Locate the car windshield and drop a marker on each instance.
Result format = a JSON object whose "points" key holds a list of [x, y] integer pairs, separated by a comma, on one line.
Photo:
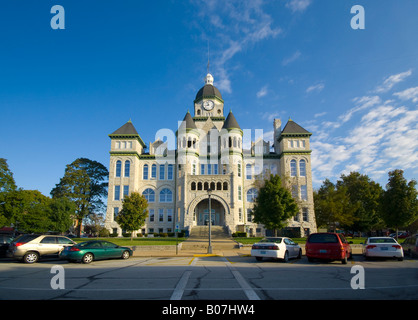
{"points": [[275, 240], [382, 240], [323, 238]]}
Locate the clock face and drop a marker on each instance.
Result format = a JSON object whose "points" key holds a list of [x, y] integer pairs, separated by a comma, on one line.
{"points": [[208, 105]]}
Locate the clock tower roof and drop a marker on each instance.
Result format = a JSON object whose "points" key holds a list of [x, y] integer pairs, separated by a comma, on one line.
{"points": [[208, 90]]}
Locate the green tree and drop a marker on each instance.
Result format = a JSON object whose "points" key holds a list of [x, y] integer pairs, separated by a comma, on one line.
{"points": [[84, 183], [274, 205], [29, 210], [62, 211], [7, 182], [364, 197], [399, 204], [134, 212], [333, 207]]}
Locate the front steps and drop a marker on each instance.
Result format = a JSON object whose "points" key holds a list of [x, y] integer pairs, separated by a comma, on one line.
{"points": [[199, 239]]}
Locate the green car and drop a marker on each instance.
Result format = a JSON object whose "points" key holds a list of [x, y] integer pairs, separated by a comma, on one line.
{"points": [[88, 251]]}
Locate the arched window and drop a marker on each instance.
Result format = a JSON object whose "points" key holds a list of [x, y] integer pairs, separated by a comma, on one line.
{"points": [[199, 186], [193, 186], [145, 173], [219, 186], [206, 186], [302, 168], [149, 194], [212, 185], [118, 168], [127, 168], [225, 185], [252, 194], [293, 168], [166, 195], [154, 171]]}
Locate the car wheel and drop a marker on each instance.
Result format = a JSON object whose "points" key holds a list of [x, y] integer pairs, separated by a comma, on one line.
{"points": [[400, 259], [87, 258], [299, 254], [286, 257], [31, 257], [258, 258], [126, 254], [344, 260]]}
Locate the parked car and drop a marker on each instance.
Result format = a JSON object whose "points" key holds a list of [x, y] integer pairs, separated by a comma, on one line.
{"points": [[5, 240], [410, 246], [30, 247], [88, 251], [276, 247], [328, 246], [382, 247]]}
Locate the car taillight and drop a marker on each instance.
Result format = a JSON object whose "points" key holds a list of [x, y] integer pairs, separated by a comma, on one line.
{"points": [[396, 246], [18, 244], [254, 247], [74, 249], [370, 246], [273, 248]]}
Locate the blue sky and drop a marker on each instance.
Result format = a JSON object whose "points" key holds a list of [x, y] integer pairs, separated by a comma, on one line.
{"points": [[63, 91]]}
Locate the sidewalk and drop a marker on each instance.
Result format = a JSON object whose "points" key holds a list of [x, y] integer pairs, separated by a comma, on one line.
{"points": [[199, 248]]}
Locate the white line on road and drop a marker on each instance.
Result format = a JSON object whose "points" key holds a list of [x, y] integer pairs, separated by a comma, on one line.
{"points": [[181, 285], [248, 290]]}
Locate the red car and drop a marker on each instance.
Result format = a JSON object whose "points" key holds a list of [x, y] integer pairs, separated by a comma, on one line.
{"points": [[328, 246]]}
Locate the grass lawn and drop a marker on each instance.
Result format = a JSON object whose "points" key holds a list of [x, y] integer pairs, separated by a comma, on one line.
{"points": [[136, 241]]}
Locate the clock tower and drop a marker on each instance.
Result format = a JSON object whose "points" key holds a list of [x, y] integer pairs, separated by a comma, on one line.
{"points": [[208, 101]]}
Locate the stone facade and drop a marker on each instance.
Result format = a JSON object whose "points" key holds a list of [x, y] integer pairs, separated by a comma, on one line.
{"points": [[208, 152]]}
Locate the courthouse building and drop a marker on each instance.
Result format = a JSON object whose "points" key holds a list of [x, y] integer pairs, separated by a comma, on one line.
{"points": [[207, 155]]}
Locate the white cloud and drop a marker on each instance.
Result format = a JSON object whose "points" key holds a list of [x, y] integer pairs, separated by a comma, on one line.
{"points": [[378, 136], [292, 58], [392, 80], [262, 92], [317, 87], [246, 24], [298, 5], [408, 94]]}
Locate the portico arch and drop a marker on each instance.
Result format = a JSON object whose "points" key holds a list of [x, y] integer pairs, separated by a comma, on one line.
{"points": [[199, 207]]}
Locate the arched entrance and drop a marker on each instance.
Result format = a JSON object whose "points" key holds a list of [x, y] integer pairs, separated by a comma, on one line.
{"points": [[201, 212], [199, 207]]}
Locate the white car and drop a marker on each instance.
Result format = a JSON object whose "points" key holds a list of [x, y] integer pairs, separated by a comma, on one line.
{"points": [[277, 248], [382, 247]]}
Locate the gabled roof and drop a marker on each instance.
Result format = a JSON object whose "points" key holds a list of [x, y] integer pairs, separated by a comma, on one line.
{"points": [[292, 127], [127, 131], [231, 122]]}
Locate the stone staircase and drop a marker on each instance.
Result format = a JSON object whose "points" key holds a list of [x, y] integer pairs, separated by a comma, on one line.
{"points": [[199, 239]]}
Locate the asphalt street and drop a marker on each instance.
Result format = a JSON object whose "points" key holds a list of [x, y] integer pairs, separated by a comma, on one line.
{"points": [[206, 277]]}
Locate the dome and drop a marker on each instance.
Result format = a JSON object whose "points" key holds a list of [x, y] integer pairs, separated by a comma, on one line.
{"points": [[208, 90]]}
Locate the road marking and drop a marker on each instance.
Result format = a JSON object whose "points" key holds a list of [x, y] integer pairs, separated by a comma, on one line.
{"points": [[248, 290], [181, 285]]}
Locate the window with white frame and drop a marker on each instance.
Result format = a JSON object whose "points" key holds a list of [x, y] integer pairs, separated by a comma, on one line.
{"points": [[293, 169], [149, 194], [166, 195], [304, 192]]}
